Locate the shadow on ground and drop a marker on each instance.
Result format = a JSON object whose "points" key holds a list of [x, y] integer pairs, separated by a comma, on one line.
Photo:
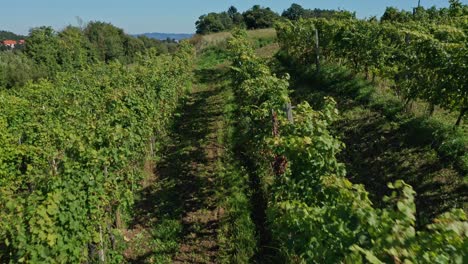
{"points": [[176, 217], [379, 150]]}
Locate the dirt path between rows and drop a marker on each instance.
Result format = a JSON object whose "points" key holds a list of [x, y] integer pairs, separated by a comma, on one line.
{"points": [[178, 216]]}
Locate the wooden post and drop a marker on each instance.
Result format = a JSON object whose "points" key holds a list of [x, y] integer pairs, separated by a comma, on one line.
{"points": [[280, 163], [408, 104], [415, 9], [152, 146], [112, 237], [274, 120], [102, 256], [430, 109], [460, 116], [54, 167], [101, 252], [288, 109], [317, 51]]}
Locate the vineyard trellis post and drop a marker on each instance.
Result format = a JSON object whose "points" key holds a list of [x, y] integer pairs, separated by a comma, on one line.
{"points": [[288, 109], [415, 10], [280, 162], [460, 116], [101, 253], [408, 103], [317, 51], [152, 146]]}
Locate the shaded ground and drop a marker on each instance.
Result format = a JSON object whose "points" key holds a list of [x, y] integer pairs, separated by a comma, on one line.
{"points": [[379, 151], [178, 216]]}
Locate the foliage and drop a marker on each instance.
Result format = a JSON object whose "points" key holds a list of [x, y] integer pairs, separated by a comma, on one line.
{"points": [[394, 15], [162, 46], [455, 9], [255, 18], [107, 40], [218, 22], [295, 12], [75, 50], [9, 35], [425, 62], [450, 144], [17, 70], [314, 213], [71, 152], [43, 48], [259, 17], [213, 22], [47, 52], [235, 16]]}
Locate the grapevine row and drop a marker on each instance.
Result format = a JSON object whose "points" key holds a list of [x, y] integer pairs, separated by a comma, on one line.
{"points": [[314, 214], [424, 61], [72, 152]]}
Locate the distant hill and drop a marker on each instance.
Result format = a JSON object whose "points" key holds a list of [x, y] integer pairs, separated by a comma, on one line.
{"points": [[164, 36], [9, 35]]}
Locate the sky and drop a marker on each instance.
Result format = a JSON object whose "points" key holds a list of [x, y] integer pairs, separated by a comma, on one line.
{"points": [[169, 16]]}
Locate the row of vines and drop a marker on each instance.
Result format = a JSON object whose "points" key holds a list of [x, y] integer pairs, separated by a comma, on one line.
{"points": [[72, 152], [314, 214], [425, 61]]}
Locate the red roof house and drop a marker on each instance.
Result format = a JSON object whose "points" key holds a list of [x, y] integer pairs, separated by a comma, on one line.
{"points": [[9, 43]]}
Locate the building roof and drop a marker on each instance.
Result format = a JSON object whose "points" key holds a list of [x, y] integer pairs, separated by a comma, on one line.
{"points": [[9, 42]]}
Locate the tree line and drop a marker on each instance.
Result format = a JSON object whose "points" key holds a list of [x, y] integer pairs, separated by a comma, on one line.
{"points": [[258, 17], [47, 51], [419, 13], [9, 35]]}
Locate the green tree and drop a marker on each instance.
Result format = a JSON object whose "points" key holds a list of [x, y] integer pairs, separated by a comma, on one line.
{"points": [[259, 17], [9, 35], [16, 70], [235, 16], [75, 49], [132, 46], [226, 20], [209, 23], [392, 14], [148, 43], [43, 47], [294, 12], [107, 39], [457, 8], [217, 22]]}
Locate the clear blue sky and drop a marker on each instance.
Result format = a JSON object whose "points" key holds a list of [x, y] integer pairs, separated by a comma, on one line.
{"points": [[175, 16]]}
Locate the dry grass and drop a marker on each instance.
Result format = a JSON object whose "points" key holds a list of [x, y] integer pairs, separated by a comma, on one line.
{"points": [[419, 108], [267, 33], [220, 39], [216, 38], [267, 51]]}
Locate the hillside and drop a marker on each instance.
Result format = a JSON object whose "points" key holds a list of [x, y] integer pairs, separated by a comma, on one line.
{"points": [[9, 35], [264, 39]]}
